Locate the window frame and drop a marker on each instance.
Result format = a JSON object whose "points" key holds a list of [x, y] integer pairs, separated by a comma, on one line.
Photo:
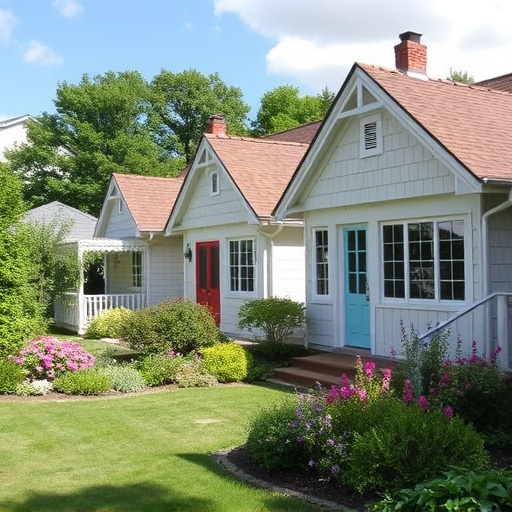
{"points": [[239, 278], [315, 262], [137, 270], [407, 299], [214, 183]]}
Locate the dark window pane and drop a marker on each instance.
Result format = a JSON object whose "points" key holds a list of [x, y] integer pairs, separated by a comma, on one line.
{"points": [[362, 261], [362, 284], [351, 241], [203, 262], [215, 267], [352, 262], [352, 283], [361, 240]]}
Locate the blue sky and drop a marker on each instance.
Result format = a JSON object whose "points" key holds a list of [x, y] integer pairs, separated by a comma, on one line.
{"points": [[253, 44]]}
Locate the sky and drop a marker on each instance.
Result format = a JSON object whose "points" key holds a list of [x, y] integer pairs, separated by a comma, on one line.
{"points": [[255, 45]]}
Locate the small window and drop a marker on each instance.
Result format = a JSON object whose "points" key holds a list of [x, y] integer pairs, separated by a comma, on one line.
{"points": [[241, 265], [137, 269], [371, 136], [214, 177], [321, 262], [121, 206]]}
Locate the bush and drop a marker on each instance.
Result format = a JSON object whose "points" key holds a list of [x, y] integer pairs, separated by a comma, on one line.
{"points": [[409, 445], [178, 325], [108, 324], [83, 382], [11, 376], [47, 358], [459, 489], [275, 317], [160, 369], [35, 387], [124, 378], [190, 375], [227, 362], [277, 351]]}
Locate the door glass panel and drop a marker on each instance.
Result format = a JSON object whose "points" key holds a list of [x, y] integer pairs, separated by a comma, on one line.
{"points": [[203, 266], [214, 267]]}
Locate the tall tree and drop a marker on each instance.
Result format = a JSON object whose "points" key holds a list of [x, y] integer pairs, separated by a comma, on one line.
{"points": [[180, 105], [282, 109], [98, 128], [460, 76]]}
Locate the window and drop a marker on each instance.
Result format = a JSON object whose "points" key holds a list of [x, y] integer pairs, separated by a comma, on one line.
{"points": [[370, 136], [321, 262], [214, 177], [120, 205], [424, 260], [241, 265], [137, 269]]}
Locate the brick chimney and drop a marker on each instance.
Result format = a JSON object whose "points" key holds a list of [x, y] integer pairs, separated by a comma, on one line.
{"points": [[411, 55], [217, 125]]}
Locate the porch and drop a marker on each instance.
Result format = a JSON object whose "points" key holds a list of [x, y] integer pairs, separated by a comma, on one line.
{"points": [[123, 282]]}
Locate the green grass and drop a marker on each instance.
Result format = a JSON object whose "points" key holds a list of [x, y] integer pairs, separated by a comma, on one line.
{"points": [[139, 453]]}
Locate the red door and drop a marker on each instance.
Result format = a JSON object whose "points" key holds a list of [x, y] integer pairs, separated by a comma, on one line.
{"points": [[207, 277]]}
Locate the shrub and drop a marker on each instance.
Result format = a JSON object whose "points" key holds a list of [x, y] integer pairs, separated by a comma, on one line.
{"points": [[48, 358], [227, 362], [160, 369], [277, 351], [124, 378], [190, 375], [409, 445], [464, 490], [35, 387], [83, 382], [178, 325], [11, 376], [275, 317], [108, 324]]}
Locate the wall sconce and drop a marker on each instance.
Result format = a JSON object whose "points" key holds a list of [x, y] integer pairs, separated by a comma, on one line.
{"points": [[188, 253]]}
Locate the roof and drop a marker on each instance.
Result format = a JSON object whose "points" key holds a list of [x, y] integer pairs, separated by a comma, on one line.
{"points": [[149, 199], [13, 120], [260, 168], [303, 134], [82, 226], [500, 83], [470, 121]]}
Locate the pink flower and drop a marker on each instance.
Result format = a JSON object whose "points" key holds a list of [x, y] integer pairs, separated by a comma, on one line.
{"points": [[448, 411], [446, 378], [369, 368], [386, 379], [422, 400], [408, 392]]}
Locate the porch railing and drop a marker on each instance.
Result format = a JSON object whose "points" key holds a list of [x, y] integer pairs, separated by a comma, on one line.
{"points": [[493, 315], [75, 315]]}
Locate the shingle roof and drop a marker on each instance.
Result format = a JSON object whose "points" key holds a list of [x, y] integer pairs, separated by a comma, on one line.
{"points": [[261, 168], [149, 199], [303, 134], [500, 83], [471, 122]]}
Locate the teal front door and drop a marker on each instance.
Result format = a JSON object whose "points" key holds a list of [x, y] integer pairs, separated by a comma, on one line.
{"points": [[357, 299]]}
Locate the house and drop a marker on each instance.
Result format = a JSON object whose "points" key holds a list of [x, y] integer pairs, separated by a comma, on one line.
{"points": [[405, 194], [12, 131], [235, 248], [140, 266]]}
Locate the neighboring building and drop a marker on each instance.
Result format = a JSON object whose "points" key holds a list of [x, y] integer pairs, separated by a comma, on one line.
{"points": [[12, 131], [236, 250], [406, 194]]}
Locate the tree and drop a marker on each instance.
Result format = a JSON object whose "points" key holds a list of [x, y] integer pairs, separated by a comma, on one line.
{"points": [[20, 314], [99, 128], [460, 76], [180, 105], [282, 109]]}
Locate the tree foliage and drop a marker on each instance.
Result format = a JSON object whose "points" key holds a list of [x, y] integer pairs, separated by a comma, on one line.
{"points": [[460, 76], [282, 109], [180, 105], [20, 314]]}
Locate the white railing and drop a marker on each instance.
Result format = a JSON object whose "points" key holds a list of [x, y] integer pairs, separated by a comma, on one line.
{"points": [[74, 316], [492, 316]]}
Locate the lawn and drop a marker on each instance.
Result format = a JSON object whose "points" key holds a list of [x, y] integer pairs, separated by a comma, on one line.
{"points": [[146, 452]]}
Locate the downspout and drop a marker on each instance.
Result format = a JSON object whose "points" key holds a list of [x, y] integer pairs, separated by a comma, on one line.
{"points": [[270, 237], [485, 252]]}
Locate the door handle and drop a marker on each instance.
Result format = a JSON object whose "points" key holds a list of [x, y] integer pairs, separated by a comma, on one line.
{"points": [[367, 291]]}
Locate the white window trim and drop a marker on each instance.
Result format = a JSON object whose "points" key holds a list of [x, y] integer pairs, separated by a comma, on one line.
{"points": [[120, 206], [241, 293], [378, 149], [314, 294], [468, 264], [213, 192]]}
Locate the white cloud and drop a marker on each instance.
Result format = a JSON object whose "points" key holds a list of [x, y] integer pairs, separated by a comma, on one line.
{"points": [[38, 53], [7, 22], [68, 8], [317, 42]]}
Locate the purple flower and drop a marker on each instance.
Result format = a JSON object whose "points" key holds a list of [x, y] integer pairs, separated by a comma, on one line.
{"points": [[311, 463], [301, 439], [335, 470], [422, 400], [408, 392], [448, 411]]}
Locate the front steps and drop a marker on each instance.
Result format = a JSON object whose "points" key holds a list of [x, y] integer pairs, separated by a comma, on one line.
{"points": [[325, 368]]}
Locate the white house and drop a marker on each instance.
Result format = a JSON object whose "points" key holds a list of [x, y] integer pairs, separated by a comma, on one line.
{"points": [[236, 249], [12, 131], [406, 194]]}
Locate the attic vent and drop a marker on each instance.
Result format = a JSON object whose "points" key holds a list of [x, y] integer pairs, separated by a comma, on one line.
{"points": [[214, 177], [371, 136]]}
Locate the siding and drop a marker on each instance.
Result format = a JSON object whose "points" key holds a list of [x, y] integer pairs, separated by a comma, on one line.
{"points": [[405, 169], [119, 225]]}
